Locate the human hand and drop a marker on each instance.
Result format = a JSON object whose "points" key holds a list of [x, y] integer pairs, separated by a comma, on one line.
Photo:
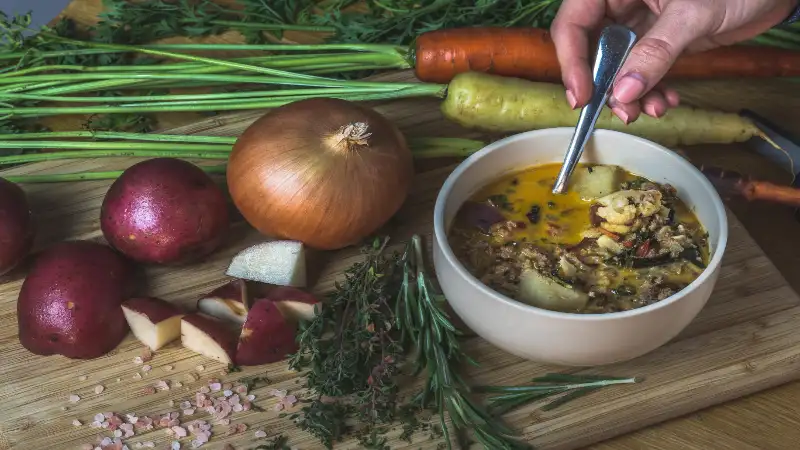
{"points": [[666, 28]]}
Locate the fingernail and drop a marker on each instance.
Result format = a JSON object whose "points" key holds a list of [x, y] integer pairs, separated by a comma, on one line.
{"points": [[652, 110], [630, 88], [573, 102], [623, 116]]}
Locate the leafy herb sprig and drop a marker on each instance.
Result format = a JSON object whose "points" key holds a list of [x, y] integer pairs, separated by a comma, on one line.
{"points": [[565, 387], [424, 322]]}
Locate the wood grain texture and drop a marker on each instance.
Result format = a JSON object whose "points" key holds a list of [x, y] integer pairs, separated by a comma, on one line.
{"points": [[742, 342]]}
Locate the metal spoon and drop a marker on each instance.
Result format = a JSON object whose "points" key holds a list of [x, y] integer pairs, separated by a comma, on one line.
{"points": [[615, 44]]}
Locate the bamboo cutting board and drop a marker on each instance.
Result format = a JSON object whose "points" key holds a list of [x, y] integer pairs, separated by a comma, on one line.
{"points": [[745, 339]]}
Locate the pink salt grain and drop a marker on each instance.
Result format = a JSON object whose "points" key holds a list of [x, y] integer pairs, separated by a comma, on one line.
{"points": [[260, 434], [215, 387], [180, 432], [205, 390], [99, 389], [147, 368], [138, 360], [188, 411], [74, 398], [76, 422], [149, 390]]}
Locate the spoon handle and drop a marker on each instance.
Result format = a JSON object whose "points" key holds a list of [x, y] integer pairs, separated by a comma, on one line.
{"points": [[615, 44]]}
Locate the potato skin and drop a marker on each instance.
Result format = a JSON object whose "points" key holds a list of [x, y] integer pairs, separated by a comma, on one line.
{"points": [[17, 229], [267, 336], [165, 211], [69, 303]]}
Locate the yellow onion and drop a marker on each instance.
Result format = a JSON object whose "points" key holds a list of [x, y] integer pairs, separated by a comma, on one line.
{"points": [[323, 171]]}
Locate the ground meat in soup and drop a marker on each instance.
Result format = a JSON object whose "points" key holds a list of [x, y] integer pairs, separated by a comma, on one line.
{"points": [[613, 242]]}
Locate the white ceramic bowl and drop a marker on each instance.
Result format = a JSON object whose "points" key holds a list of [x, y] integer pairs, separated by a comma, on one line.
{"points": [[565, 338]]}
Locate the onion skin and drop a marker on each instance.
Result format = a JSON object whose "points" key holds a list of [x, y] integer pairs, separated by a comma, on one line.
{"points": [[291, 177], [16, 226], [165, 211]]}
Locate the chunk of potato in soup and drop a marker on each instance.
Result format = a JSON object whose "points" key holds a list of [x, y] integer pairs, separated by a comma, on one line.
{"points": [[614, 242]]}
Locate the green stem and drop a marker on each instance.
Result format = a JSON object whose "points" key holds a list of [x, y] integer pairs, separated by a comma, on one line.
{"points": [[37, 157], [88, 176], [211, 61], [166, 99], [117, 146], [375, 48], [414, 90], [321, 82], [274, 27], [295, 62], [122, 135]]}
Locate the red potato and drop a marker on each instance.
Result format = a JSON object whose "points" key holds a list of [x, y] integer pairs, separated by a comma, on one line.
{"points": [[294, 303], [228, 302], [155, 322], [16, 226], [165, 211], [266, 337], [209, 337], [69, 303]]}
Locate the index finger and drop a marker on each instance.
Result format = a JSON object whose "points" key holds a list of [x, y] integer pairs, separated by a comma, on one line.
{"points": [[573, 23]]}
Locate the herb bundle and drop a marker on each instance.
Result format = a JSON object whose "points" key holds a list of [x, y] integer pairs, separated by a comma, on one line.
{"points": [[383, 327]]}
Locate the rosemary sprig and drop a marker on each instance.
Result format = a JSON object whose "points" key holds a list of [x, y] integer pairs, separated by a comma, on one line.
{"points": [[425, 323], [564, 387]]}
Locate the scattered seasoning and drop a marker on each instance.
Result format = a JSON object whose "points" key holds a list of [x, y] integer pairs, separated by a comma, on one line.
{"points": [[168, 368], [137, 376], [138, 360], [177, 384], [162, 385], [260, 434], [175, 445], [200, 368], [146, 368], [534, 214], [99, 389], [76, 422], [82, 378], [74, 398], [149, 390]]}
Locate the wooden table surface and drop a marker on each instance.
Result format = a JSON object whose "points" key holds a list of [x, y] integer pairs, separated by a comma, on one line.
{"points": [[768, 420]]}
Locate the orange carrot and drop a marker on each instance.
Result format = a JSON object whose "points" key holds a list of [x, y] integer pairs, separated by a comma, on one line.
{"points": [[530, 53], [730, 183]]}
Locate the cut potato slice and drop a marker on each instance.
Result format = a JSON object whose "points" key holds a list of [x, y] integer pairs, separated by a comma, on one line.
{"points": [[293, 303], [153, 321], [209, 337], [275, 262], [591, 182], [228, 302], [266, 337], [538, 290]]}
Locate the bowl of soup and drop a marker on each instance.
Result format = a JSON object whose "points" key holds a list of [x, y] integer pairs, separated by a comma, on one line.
{"points": [[610, 270]]}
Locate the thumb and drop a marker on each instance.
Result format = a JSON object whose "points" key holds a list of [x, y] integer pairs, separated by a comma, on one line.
{"points": [[681, 23]]}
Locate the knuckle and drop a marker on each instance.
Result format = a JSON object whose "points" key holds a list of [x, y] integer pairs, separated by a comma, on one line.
{"points": [[653, 51]]}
